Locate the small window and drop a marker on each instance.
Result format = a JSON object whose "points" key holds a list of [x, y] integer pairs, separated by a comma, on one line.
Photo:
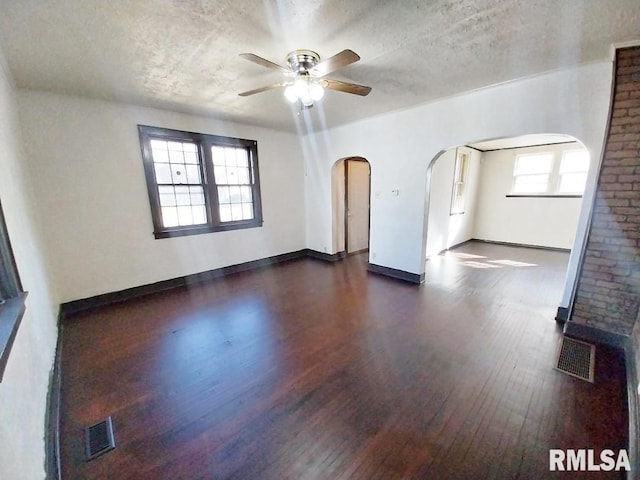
{"points": [[574, 167], [532, 173], [200, 183], [459, 182]]}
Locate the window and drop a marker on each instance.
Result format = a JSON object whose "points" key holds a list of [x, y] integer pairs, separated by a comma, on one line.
{"points": [[540, 174], [200, 183], [532, 172], [573, 171], [12, 297], [459, 182]]}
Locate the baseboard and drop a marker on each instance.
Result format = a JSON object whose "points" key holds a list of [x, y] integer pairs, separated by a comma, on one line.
{"points": [[596, 335], [522, 245], [397, 274], [562, 315], [459, 244], [327, 257], [105, 299], [53, 467]]}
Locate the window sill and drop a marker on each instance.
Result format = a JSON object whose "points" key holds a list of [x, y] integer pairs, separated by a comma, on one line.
{"points": [[181, 232], [520, 195], [11, 313]]}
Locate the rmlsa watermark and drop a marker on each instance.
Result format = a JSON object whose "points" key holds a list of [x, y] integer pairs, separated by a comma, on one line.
{"points": [[585, 460]]}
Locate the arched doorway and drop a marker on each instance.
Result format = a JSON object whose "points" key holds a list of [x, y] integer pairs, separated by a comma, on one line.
{"points": [[529, 191]]}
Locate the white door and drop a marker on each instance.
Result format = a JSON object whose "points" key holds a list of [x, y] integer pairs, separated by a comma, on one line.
{"points": [[357, 176]]}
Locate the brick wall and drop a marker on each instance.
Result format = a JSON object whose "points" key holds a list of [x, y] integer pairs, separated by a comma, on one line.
{"points": [[608, 292]]}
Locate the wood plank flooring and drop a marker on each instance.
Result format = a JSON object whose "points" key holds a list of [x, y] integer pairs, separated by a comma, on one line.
{"points": [[311, 370]]}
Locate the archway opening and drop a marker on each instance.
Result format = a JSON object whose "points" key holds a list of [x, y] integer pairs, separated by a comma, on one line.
{"points": [[524, 191]]}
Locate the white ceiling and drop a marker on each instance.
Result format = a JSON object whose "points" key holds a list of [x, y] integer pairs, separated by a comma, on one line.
{"points": [[183, 54]]}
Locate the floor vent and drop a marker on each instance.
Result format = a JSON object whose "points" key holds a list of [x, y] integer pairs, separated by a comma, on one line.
{"points": [[99, 438], [576, 358]]}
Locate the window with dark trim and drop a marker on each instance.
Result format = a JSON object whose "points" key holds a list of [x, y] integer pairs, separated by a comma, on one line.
{"points": [[200, 183], [12, 297]]}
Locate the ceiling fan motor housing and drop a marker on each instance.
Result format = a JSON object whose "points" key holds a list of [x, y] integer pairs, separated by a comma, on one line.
{"points": [[301, 61]]}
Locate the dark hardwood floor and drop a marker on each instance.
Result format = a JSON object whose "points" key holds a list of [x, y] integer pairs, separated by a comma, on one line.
{"points": [[315, 370]]}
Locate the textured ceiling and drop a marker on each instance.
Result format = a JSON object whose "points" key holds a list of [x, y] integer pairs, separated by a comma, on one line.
{"points": [[183, 54]]}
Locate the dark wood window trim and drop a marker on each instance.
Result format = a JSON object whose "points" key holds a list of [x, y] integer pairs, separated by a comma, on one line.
{"points": [[12, 297], [204, 143]]}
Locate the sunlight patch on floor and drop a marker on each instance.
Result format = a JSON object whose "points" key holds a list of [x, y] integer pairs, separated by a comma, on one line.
{"points": [[462, 255], [513, 263], [479, 264]]}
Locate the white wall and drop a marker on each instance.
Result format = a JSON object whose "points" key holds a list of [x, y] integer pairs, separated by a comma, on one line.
{"points": [[23, 391], [547, 222], [85, 161], [445, 230], [400, 145]]}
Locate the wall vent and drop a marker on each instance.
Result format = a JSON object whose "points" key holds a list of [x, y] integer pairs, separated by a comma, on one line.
{"points": [[99, 438], [576, 358]]}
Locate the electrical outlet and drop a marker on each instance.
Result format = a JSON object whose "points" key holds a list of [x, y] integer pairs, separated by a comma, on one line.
{"points": [[373, 257]]}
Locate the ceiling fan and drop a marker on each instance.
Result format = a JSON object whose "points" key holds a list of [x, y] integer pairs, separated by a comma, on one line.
{"points": [[304, 77]]}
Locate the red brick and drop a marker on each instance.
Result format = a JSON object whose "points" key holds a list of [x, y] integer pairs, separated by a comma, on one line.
{"points": [[618, 202], [627, 70], [618, 186], [609, 179], [623, 137], [617, 170], [626, 86], [625, 194], [630, 161], [624, 120], [621, 96], [628, 178], [628, 103]]}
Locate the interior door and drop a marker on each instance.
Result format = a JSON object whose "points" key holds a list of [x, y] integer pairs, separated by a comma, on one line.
{"points": [[357, 205]]}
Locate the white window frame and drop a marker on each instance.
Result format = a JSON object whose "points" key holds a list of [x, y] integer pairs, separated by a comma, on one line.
{"points": [[559, 176], [515, 176], [553, 183], [459, 187]]}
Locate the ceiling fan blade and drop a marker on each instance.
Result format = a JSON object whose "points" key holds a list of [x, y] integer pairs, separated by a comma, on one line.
{"points": [[342, 59], [264, 62], [346, 87], [261, 89]]}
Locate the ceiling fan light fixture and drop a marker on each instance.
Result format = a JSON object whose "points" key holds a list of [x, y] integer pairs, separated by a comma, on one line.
{"points": [[290, 94], [305, 90], [305, 80], [316, 91]]}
